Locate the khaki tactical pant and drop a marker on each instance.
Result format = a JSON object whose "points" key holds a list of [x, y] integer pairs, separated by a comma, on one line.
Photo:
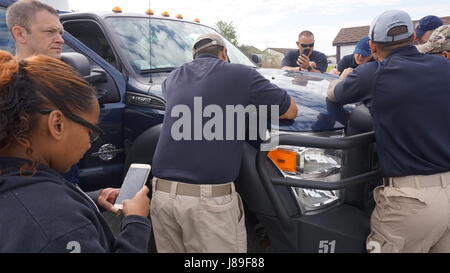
{"points": [[190, 218], [412, 214]]}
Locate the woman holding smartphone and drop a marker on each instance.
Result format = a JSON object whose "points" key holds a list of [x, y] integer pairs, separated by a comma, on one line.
{"points": [[48, 117]]}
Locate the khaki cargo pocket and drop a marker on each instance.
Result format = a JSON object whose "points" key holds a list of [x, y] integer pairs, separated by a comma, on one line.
{"points": [[220, 204], [404, 198], [221, 224]]}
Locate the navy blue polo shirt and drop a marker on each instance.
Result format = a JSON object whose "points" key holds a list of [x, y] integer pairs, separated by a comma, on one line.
{"points": [[319, 58], [217, 83], [348, 61], [408, 95]]}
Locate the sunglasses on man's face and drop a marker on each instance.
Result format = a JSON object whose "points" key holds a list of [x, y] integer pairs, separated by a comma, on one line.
{"points": [[95, 132], [307, 45]]}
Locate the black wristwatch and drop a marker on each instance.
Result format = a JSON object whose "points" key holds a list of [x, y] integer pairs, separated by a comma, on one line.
{"points": [[309, 68]]}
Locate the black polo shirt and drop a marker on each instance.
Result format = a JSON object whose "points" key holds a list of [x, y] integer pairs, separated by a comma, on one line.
{"points": [[348, 61], [216, 83], [319, 58], [408, 95]]}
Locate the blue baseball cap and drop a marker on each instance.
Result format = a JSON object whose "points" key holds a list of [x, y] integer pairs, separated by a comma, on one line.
{"points": [[427, 23], [363, 48]]}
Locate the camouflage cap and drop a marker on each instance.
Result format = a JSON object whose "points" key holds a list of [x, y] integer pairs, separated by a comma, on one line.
{"points": [[439, 41]]}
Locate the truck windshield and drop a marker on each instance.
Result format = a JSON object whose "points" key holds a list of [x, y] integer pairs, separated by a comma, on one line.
{"points": [[155, 45]]}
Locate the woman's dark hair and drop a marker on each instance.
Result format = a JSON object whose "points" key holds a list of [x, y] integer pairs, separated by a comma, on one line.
{"points": [[34, 84]]}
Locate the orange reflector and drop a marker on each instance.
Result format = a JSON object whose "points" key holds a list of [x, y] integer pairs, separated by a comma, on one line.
{"points": [[285, 160], [165, 14], [149, 12], [197, 20], [179, 16], [117, 10]]}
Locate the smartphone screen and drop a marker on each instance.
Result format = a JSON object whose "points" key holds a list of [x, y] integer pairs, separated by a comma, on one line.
{"points": [[134, 181]]}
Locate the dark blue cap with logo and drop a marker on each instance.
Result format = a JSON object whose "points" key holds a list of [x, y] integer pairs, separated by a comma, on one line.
{"points": [[363, 48], [427, 23]]}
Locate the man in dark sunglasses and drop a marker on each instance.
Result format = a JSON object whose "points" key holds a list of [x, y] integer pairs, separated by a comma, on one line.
{"points": [[305, 58]]}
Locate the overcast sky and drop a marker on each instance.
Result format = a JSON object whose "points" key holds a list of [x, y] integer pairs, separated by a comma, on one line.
{"points": [[277, 23]]}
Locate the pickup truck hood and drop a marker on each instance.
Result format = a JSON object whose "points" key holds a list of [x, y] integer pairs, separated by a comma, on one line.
{"points": [[309, 90]]}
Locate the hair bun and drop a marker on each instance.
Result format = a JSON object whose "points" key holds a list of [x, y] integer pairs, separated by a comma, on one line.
{"points": [[8, 67]]}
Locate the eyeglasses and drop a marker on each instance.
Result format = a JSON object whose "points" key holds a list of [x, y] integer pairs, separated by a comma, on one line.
{"points": [[95, 132], [307, 45]]}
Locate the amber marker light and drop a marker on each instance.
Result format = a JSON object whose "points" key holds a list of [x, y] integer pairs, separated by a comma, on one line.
{"points": [[285, 160]]}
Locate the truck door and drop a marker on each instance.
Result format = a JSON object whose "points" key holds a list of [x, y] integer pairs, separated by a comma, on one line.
{"points": [[102, 165]]}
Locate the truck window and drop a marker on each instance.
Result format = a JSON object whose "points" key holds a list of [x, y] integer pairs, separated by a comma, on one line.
{"points": [[157, 43], [90, 34], [6, 40], [67, 48]]}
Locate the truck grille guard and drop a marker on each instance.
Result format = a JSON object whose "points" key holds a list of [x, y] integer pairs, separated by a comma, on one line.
{"points": [[344, 143]]}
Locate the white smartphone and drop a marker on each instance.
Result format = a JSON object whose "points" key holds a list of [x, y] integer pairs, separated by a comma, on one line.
{"points": [[134, 181]]}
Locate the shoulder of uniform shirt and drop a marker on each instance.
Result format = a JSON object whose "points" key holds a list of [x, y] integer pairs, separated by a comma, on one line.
{"points": [[367, 66], [347, 57], [56, 208], [292, 53], [320, 54]]}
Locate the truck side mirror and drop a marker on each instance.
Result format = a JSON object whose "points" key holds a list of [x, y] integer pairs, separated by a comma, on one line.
{"points": [[81, 63], [78, 61], [256, 59]]}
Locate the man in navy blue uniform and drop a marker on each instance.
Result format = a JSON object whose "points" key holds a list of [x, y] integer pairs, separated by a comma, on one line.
{"points": [[407, 93], [312, 61], [195, 207], [361, 55]]}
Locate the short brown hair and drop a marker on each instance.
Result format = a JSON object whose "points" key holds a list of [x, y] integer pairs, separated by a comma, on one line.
{"points": [[306, 33], [22, 12]]}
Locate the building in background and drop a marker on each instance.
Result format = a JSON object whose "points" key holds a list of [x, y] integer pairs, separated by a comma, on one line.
{"points": [[347, 38], [272, 56]]}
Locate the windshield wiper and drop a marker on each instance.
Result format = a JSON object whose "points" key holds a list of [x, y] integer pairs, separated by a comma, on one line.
{"points": [[157, 70]]}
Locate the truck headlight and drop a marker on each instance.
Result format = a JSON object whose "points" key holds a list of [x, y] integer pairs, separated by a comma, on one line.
{"points": [[310, 164]]}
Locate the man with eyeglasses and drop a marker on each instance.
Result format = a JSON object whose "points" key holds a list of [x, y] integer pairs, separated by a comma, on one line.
{"points": [[36, 29], [305, 58]]}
